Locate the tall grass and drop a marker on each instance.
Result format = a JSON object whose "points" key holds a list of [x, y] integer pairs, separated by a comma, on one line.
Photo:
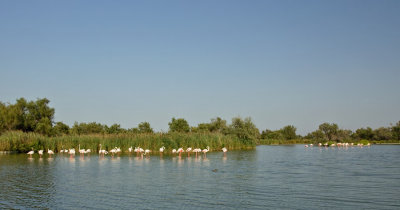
{"points": [[23, 142]]}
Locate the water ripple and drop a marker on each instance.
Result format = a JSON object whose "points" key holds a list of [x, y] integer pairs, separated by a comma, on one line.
{"points": [[287, 177]]}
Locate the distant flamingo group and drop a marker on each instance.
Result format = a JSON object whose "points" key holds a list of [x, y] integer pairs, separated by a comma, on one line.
{"points": [[339, 145], [189, 150], [116, 150]]}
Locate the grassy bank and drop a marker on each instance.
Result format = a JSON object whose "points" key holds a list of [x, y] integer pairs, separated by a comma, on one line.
{"points": [[282, 141], [23, 142]]}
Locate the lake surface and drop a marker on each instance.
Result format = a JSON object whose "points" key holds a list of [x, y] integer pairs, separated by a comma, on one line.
{"points": [[269, 177]]}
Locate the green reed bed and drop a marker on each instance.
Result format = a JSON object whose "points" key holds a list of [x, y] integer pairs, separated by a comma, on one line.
{"points": [[23, 142]]}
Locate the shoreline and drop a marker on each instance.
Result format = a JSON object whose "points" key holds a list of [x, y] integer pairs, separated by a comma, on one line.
{"points": [[169, 153]]}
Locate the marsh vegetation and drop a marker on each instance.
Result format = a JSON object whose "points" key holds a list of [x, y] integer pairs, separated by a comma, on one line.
{"points": [[30, 124]]}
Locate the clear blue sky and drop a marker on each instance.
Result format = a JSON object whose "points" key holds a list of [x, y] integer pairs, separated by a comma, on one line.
{"points": [[280, 62]]}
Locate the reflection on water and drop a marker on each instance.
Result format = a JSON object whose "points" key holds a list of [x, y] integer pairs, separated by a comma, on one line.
{"points": [[275, 177]]}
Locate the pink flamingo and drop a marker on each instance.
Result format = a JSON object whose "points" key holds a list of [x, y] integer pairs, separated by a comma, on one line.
{"points": [[196, 151], [188, 150], [205, 151], [30, 153], [180, 150]]}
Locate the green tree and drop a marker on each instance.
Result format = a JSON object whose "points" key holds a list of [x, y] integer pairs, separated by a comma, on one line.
{"points": [[343, 135], [179, 125], [19, 112], [37, 112], [289, 132], [88, 128], [9, 117], [382, 133], [3, 111], [93, 127], [244, 129], [144, 127], [134, 130], [27, 116], [61, 128], [316, 136], [273, 135], [396, 131], [202, 127], [44, 127], [12, 115], [364, 133], [217, 125], [114, 129], [77, 129], [329, 130]]}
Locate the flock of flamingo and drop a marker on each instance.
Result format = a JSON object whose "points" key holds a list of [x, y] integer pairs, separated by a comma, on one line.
{"points": [[338, 145], [138, 150]]}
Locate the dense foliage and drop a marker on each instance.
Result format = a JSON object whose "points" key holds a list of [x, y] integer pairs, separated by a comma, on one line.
{"points": [[32, 116], [28, 124]]}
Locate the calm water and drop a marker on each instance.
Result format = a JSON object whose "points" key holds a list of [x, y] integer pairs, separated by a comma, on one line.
{"points": [[270, 177]]}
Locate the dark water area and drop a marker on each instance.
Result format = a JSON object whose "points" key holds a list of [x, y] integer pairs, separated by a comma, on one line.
{"points": [[269, 177]]}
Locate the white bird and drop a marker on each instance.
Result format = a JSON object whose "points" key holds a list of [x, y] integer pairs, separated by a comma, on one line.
{"points": [[50, 152], [88, 151], [173, 151], [117, 149], [224, 150], [113, 151], [130, 149], [72, 151], [81, 151], [206, 150], [196, 151], [162, 149], [101, 151], [30, 153], [306, 145], [40, 152], [137, 150], [188, 150], [146, 152], [180, 150]]}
